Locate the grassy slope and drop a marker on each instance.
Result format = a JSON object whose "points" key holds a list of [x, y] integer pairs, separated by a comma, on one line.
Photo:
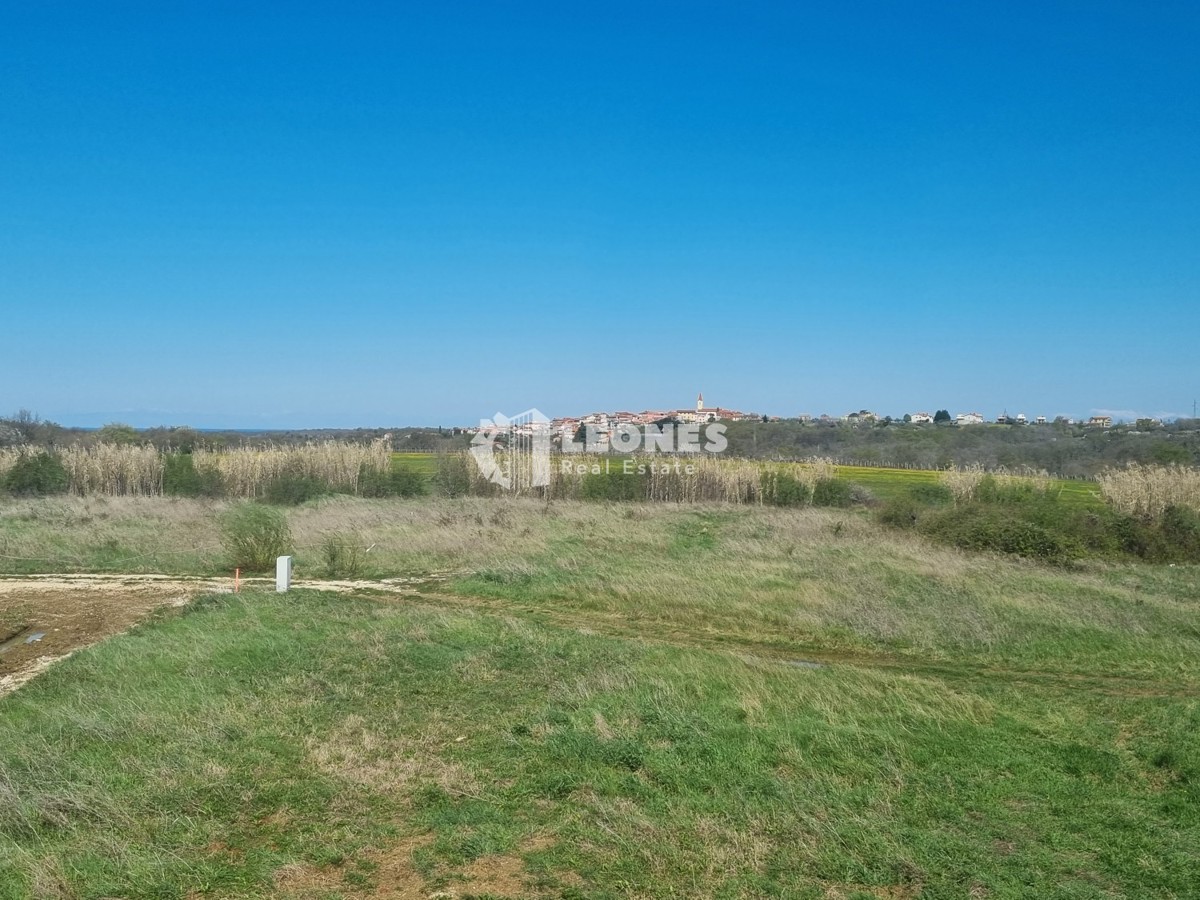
{"points": [[257, 732], [632, 720]]}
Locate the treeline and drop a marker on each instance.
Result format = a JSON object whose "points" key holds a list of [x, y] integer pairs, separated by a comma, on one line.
{"points": [[1068, 451], [27, 429]]}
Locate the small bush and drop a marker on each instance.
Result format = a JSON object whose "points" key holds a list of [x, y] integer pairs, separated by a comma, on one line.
{"points": [[292, 489], [832, 492], [181, 478], [453, 478], [901, 512], [255, 535], [343, 555], [782, 489], [37, 475]]}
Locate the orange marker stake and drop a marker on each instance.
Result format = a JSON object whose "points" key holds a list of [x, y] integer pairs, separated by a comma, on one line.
{"points": [[237, 581]]}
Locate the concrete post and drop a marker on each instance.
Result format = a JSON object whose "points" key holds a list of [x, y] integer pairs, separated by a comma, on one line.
{"points": [[283, 574]]}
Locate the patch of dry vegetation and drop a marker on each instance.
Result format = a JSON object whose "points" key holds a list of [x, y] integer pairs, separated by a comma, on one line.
{"points": [[388, 762], [964, 482], [128, 470], [697, 478], [1149, 491], [246, 471]]}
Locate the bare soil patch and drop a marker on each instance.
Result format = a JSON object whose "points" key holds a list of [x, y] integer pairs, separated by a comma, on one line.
{"points": [[45, 619]]}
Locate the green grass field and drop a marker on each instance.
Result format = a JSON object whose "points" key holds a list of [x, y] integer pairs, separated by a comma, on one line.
{"points": [[886, 484], [620, 701], [422, 463]]}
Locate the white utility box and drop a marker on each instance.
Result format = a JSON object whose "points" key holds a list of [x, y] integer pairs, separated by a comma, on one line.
{"points": [[283, 574]]}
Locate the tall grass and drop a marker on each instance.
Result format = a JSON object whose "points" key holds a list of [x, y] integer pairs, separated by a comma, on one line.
{"points": [[1148, 491]]}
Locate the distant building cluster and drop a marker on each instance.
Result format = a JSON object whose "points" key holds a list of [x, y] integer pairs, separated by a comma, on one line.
{"points": [[865, 416], [602, 424]]}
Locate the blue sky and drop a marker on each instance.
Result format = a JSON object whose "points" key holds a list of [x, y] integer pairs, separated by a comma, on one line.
{"points": [[389, 214]]}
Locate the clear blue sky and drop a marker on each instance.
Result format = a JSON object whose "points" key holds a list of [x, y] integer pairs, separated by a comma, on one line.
{"points": [[402, 213]]}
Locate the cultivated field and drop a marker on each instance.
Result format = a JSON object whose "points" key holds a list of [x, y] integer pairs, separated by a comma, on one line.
{"points": [[598, 700], [887, 484]]}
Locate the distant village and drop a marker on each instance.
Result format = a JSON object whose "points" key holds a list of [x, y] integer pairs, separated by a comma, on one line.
{"points": [[971, 418], [601, 425]]}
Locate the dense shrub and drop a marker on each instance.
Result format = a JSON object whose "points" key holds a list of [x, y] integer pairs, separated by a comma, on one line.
{"points": [[832, 492], [616, 485], [993, 527], [36, 475], [1181, 528], [931, 493], [394, 483], [1022, 519], [901, 512], [782, 489], [255, 535], [181, 478], [919, 501], [292, 489], [1172, 537]]}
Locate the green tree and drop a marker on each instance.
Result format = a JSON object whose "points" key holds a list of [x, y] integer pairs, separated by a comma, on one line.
{"points": [[117, 433], [941, 417], [1171, 453]]}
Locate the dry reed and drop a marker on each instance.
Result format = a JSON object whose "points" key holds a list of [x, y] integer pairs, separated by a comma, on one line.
{"points": [[1148, 490], [119, 470], [664, 478], [113, 470], [8, 459], [246, 471], [964, 482]]}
